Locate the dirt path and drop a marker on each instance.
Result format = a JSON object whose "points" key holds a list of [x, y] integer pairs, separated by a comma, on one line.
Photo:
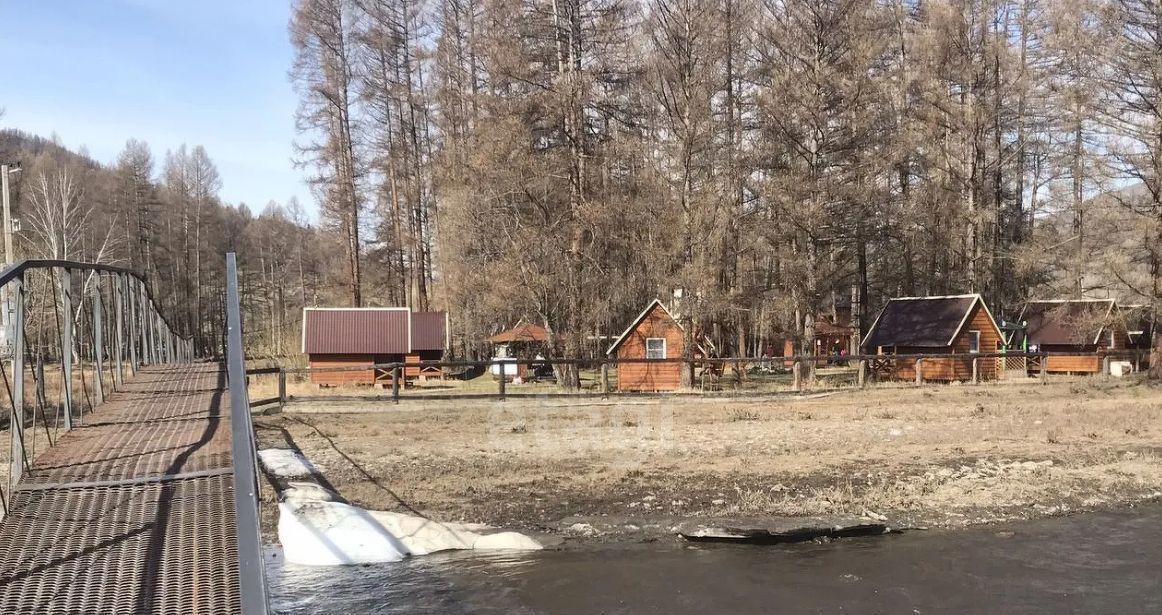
{"points": [[937, 456]]}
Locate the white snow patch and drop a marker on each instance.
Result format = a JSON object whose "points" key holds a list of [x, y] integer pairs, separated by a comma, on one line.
{"points": [[306, 492], [316, 529], [323, 533], [285, 463], [334, 534]]}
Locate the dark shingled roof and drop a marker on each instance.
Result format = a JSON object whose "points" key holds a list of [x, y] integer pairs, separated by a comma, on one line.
{"points": [[926, 322], [1066, 323], [523, 332], [371, 331]]}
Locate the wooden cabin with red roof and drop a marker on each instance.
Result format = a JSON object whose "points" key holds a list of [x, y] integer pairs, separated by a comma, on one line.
{"points": [[354, 337], [654, 335], [956, 324]]}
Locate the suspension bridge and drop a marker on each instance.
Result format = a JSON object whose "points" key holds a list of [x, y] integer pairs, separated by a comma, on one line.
{"points": [[131, 481]]}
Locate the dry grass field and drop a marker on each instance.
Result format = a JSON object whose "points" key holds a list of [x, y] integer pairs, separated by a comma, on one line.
{"points": [[932, 456]]}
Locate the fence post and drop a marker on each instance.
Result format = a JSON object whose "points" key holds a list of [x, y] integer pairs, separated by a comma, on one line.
{"points": [[797, 375], [1044, 368], [16, 429], [98, 341], [503, 378], [976, 370], [395, 384], [604, 379], [281, 387], [861, 374], [66, 280], [919, 372], [1105, 366]]}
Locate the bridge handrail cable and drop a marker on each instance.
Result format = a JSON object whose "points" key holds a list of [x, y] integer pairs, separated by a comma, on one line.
{"points": [[250, 561]]}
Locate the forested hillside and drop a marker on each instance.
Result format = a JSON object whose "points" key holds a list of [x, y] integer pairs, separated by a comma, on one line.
{"points": [[566, 161], [161, 215]]}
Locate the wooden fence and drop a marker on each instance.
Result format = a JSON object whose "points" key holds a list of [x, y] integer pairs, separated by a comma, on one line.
{"points": [[705, 376]]}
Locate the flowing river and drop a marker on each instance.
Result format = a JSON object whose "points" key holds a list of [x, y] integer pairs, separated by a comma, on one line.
{"points": [[1092, 563]]}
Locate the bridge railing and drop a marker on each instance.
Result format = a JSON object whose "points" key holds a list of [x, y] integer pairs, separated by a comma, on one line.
{"points": [[244, 454], [604, 377], [70, 333]]}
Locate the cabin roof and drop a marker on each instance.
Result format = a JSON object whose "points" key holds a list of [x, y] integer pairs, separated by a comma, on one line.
{"points": [[637, 321], [391, 330], [1067, 322], [923, 322], [522, 332]]}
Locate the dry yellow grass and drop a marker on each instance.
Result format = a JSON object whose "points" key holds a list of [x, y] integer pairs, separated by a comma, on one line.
{"points": [[946, 455]]}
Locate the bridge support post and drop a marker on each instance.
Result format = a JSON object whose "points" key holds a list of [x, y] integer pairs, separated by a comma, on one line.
{"points": [[126, 300], [98, 341], [161, 335], [142, 320], [16, 428], [154, 338], [118, 331], [66, 281], [154, 334]]}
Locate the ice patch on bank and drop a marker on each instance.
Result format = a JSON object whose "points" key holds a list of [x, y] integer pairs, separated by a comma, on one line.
{"points": [[285, 463], [316, 529]]}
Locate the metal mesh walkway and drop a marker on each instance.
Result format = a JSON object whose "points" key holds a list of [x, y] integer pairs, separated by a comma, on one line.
{"points": [[133, 512]]}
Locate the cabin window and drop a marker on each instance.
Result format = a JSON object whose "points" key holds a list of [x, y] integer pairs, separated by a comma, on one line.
{"points": [[655, 348], [974, 341]]}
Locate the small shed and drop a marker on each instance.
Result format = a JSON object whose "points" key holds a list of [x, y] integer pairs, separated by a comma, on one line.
{"points": [[833, 335], [1139, 326], [1074, 325], [353, 337], [524, 341], [952, 324], [655, 335]]}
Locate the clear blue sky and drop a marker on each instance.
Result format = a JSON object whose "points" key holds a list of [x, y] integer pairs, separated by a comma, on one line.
{"points": [[208, 72]]}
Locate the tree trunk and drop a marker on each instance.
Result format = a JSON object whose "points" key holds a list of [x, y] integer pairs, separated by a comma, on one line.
{"points": [[1156, 357]]}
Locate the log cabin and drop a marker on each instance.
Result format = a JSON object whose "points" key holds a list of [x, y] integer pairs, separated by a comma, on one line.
{"points": [[353, 337], [1073, 325], [953, 324], [655, 334]]}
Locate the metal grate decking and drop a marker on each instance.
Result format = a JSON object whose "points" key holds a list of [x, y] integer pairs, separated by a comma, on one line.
{"points": [[133, 512]]}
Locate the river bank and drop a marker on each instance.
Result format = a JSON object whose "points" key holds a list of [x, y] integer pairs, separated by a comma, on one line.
{"points": [[1089, 563], [633, 470]]}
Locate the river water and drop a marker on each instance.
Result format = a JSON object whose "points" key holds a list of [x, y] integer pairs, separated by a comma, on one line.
{"points": [[1092, 563]]}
